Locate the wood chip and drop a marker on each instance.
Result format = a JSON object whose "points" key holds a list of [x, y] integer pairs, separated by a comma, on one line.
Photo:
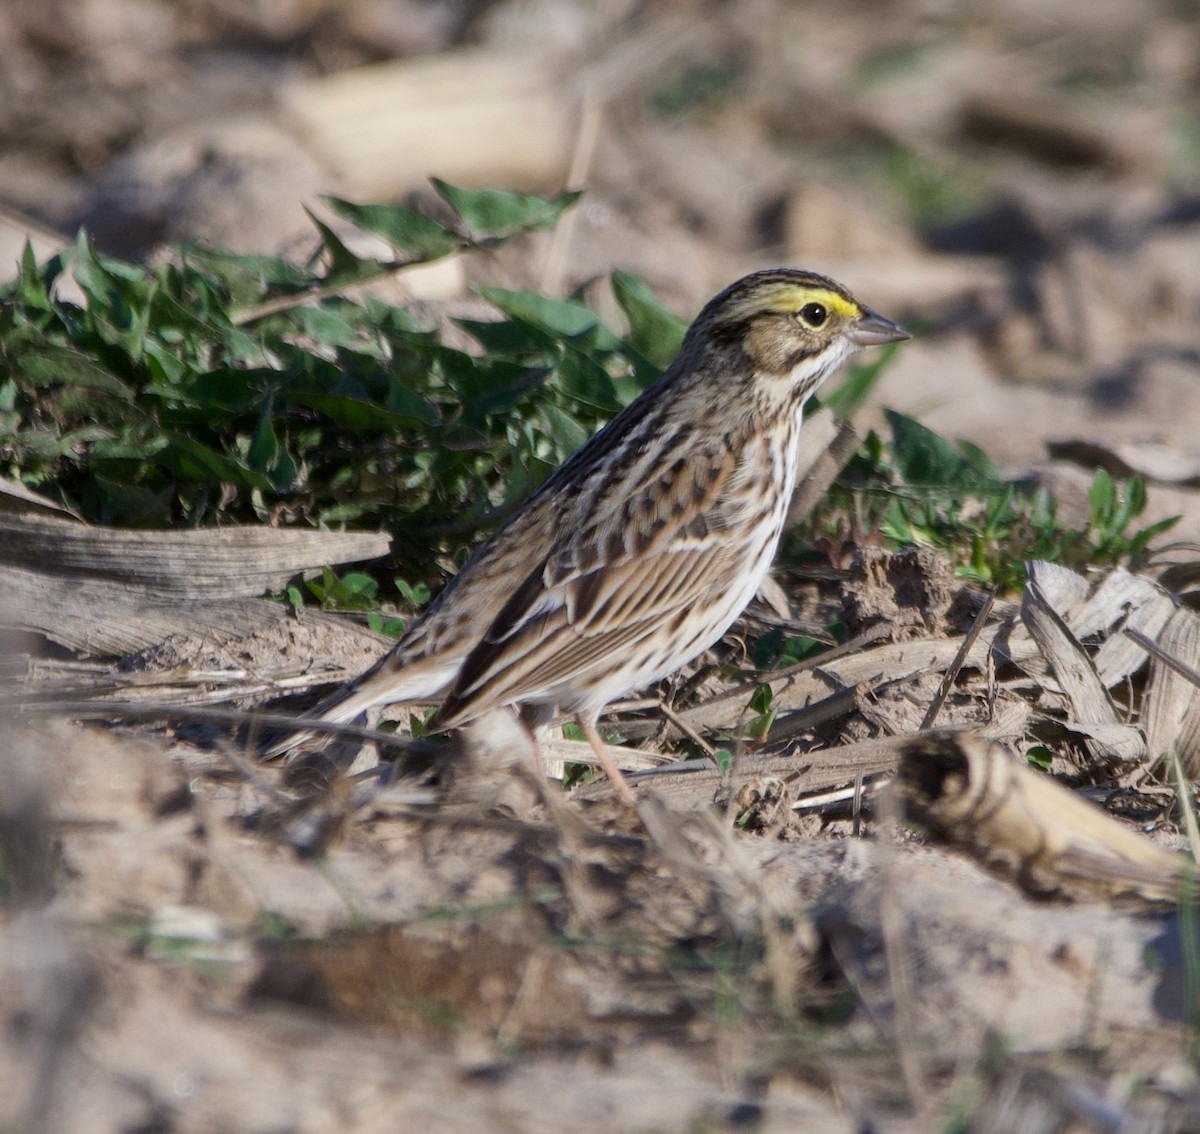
{"points": [[180, 564], [110, 592]]}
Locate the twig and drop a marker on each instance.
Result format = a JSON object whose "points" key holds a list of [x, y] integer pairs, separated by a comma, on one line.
{"points": [[309, 296], [960, 658], [871, 634], [280, 721], [687, 730], [590, 114], [857, 791], [1159, 654]]}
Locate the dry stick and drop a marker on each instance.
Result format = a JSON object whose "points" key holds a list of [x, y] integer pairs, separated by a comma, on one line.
{"points": [[960, 658], [1187, 804], [581, 165], [821, 474], [857, 792], [641, 729], [871, 634], [1188, 673], [856, 809], [674, 718], [215, 716], [308, 297], [1159, 654]]}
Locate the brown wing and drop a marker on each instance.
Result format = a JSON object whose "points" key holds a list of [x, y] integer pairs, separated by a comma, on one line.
{"points": [[614, 581]]}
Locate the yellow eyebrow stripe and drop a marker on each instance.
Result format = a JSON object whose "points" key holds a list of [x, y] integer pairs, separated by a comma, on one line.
{"points": [[786, 297]]}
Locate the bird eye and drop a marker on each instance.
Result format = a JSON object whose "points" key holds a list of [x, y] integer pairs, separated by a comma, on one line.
{"points": [[814, 314]]}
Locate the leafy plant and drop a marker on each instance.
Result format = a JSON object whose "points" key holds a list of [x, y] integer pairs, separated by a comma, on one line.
{"points": [[925, 490], [354, 590], [220, 387], [224, 387]]}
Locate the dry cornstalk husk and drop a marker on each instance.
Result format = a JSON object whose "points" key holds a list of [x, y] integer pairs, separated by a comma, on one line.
{"points": [[1172, 710], [978, 795], [472, 117], [1093, 713]]}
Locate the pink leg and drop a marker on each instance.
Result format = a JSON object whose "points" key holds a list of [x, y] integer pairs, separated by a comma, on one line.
{"points": [[535, 718], [607, 763]]}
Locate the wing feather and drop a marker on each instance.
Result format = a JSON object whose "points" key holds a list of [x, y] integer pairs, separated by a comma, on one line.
{"points": [[552, 649], [621, 568]]}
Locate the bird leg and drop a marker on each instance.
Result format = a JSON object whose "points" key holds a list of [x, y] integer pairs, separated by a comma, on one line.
{"points": [[607, 763], [535, 718]]}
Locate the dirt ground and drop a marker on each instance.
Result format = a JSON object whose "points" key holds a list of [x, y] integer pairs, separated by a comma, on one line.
{"points": [[194, 942]]}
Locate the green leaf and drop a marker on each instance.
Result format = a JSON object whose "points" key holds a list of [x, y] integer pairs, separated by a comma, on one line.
{"points": [[560, 317], [246, 279], [164, 364], [227, 390], [567, 433], [31, 287], [1139, 542], [112, 454], [359, 583], [406, 403], [352, 591], [344, 266], [353, 413], [324, 324], [766, 648], [926, 458], [463, 438], [192, 460], [510, 336], [132, 504], [1039, 756], [496, 213], [119, 296], [582, 378], [415, 594], [488, 385], [978, 460], [392, 627], [409, 232], [264, 449], [343, 513], [656, 332], [44, 364], [1103, 498], [760, 700]]}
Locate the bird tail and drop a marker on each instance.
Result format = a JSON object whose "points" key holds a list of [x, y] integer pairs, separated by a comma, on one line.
{"points": [[381, 685]]}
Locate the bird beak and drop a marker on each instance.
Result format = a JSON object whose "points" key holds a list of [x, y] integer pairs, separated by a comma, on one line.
{"points": [[872, 329]]}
